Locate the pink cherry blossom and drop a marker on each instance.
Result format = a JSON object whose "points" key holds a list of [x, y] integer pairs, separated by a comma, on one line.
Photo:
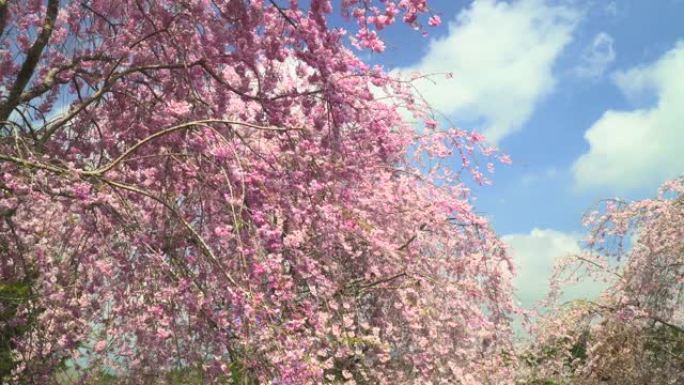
{"points": [[100, 346], [434, 21], [640, 312], [217, 185]]}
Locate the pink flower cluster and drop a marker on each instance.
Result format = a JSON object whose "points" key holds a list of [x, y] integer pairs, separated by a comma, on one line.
{"points": [[224, 190]]}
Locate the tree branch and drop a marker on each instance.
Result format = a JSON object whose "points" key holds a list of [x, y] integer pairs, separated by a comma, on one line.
{"points": [[108, 83], [51, 78], [206, 250], [3, 15], [180, 127], [383, 280], [671, 326], [283, 14], [413, 238], [32, 58], [28, 164]]}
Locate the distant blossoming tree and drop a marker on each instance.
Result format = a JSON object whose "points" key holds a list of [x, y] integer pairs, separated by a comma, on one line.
{"points": [[224, 187], [634, 332]]}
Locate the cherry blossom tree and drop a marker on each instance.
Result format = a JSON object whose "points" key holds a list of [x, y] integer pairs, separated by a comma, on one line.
{"points": [[634, 332], [225, 187]]}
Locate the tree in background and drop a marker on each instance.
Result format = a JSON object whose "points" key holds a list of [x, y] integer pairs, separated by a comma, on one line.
{"points": [[634, 332], [223, 187]]}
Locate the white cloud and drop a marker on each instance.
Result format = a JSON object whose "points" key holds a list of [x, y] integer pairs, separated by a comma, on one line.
{"points": [[501, 55], [639, 148], [597, 57], [535, 255]]}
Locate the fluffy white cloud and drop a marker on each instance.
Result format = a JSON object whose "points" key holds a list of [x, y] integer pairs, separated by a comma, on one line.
{"points": [[597, 57], [642, 147], [501, 55], [535, 255]]}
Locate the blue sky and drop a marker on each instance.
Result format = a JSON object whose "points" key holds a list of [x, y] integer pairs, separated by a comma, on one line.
{"points": [[587, 96]]}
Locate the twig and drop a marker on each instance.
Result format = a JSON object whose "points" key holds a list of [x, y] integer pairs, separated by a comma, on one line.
{"points": [[283, 14]]}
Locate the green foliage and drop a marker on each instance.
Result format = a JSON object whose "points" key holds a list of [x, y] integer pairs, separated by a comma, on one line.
{"points": [[664, 340], [578, 351], [664, 347], [12, 296]]}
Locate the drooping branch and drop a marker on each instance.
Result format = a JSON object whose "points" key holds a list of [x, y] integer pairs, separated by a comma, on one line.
{"points": [[180, 127], [206, 250], [102, 170], [97, 174]]}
